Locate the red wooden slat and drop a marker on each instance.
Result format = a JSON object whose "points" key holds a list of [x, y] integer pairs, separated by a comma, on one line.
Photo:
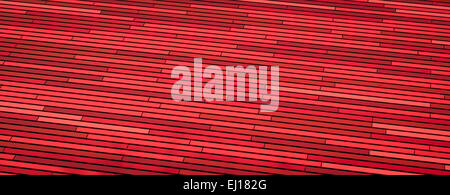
{"points": [[85, 87]]}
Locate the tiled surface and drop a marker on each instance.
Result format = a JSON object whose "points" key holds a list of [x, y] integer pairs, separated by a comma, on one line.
{"points": [[85, 87]]}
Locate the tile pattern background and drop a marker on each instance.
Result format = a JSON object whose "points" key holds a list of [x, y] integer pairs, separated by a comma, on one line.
{"points": [[85, 87]]}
